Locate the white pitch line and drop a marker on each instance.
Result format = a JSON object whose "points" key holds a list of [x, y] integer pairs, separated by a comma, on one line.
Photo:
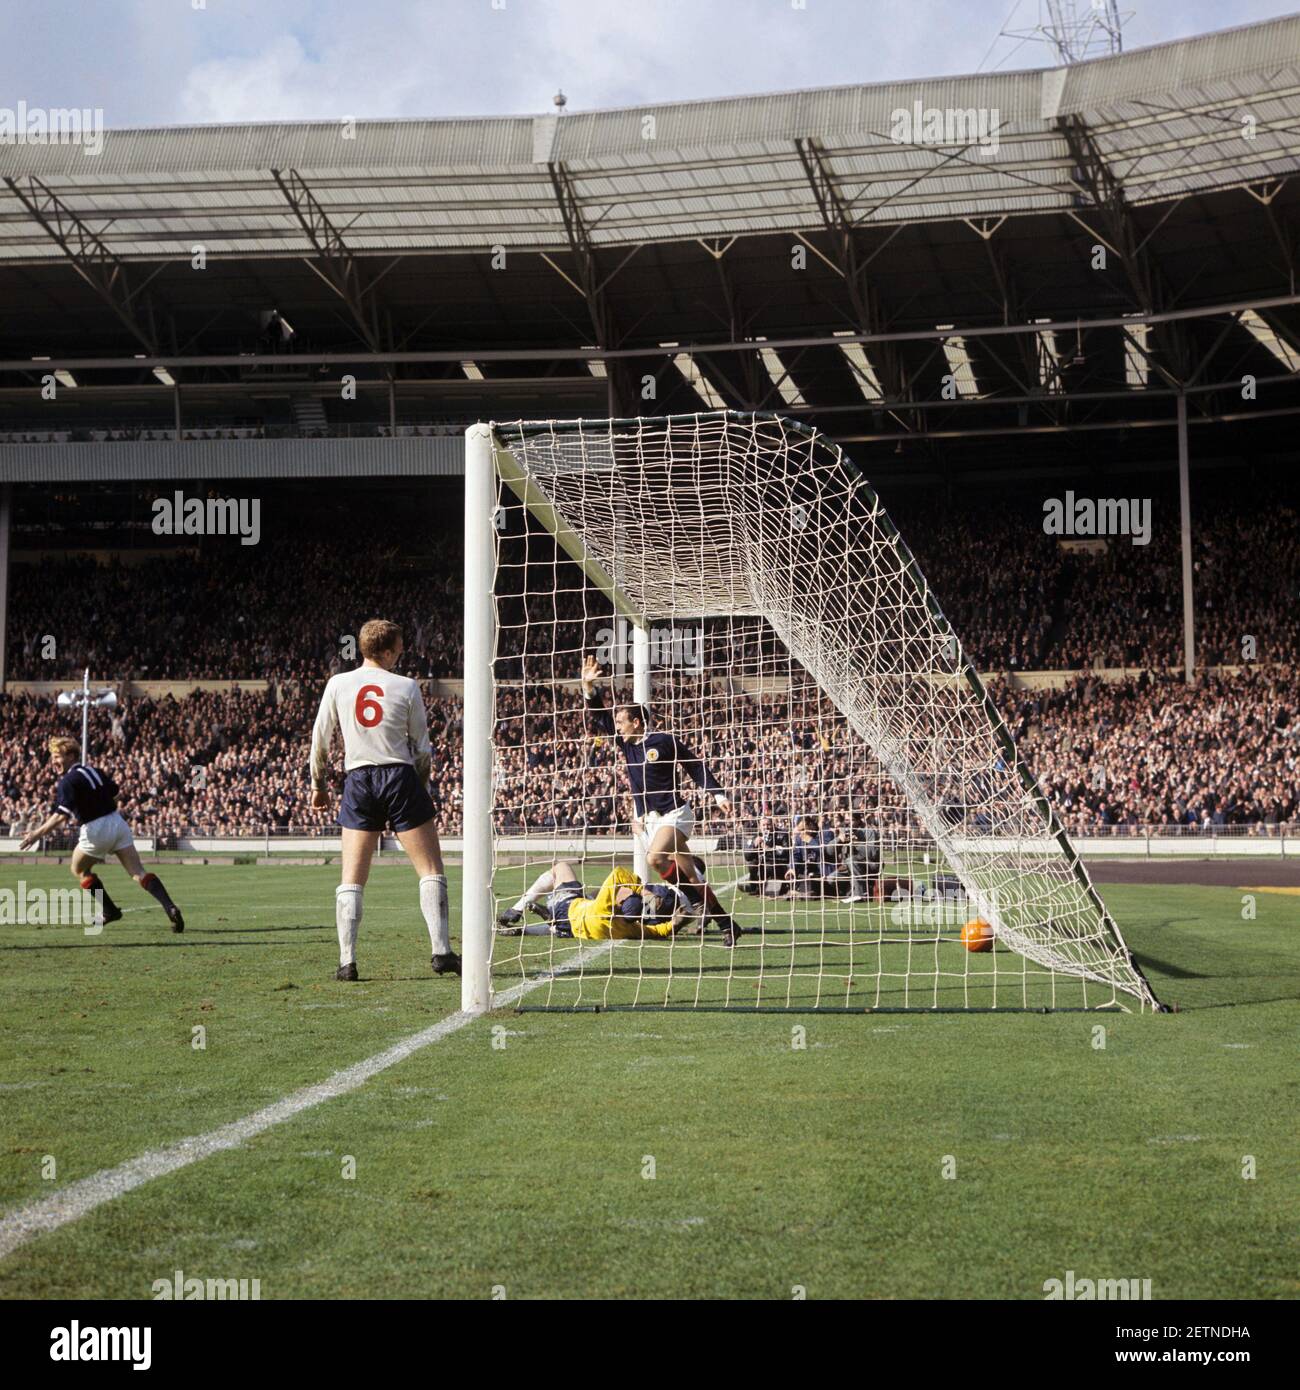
{"points": [[80, 1198]]}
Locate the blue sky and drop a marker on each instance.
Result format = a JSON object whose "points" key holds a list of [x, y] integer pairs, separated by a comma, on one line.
{"points": [[167, 62]]}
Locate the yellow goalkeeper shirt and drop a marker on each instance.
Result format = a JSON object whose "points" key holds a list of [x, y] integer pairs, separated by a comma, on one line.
{"points": [[592, 919]]}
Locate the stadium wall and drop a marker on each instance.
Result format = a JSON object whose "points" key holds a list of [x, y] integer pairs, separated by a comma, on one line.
{"points": [[201, 459]]}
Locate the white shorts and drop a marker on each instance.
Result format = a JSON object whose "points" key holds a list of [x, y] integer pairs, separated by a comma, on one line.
{"points": [[682, 819], [105, 837]]}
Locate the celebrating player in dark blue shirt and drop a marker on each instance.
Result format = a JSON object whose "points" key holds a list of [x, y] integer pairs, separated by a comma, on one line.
{"points": [[661, 812], [88, 797]]}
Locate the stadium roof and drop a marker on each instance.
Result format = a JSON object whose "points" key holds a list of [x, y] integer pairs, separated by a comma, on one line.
{"points": [[1134, 236], [1163, 122]]}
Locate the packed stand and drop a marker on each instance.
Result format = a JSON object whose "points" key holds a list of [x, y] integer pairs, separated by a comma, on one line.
{"points": [[1139, 753]]}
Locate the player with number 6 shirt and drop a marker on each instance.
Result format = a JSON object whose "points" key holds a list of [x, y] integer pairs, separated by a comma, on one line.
{"points": [[387, 760]]}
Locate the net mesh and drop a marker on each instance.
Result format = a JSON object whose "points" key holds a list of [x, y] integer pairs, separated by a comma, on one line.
{"points": [[875, 802]]}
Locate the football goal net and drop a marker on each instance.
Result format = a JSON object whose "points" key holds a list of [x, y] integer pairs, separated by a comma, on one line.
{"points": [[724, 750]]}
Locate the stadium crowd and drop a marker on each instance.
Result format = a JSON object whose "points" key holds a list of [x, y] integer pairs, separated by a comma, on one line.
{"points": [[278, 610], [1151, 751], [272, 611], [1145, 751], [1142, 751]]}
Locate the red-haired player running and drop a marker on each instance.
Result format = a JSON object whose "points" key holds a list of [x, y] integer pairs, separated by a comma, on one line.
{"points": [[88, 796]]}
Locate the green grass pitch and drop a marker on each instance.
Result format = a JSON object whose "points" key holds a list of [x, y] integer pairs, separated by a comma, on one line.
{"points": [[514, 1156]]}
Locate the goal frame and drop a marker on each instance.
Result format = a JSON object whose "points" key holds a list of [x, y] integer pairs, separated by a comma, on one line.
{"points": [[488, 460]]}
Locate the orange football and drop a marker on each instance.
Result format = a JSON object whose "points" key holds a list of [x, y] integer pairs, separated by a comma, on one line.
{"points": [[977, 935]]}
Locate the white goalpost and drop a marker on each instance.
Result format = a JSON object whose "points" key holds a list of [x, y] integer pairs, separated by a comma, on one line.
{"points": [[877, 838]]}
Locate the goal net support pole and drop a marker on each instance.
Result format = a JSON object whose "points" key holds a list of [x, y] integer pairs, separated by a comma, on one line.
{"points": [[480, 644]]}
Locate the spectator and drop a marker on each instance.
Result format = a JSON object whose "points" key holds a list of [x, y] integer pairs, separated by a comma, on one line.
{"points": [[862, 858], [767, 857], [812, 858]]}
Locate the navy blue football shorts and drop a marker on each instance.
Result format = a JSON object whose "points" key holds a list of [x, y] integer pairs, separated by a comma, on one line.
{"points": [[375, 798], [557, 905]]}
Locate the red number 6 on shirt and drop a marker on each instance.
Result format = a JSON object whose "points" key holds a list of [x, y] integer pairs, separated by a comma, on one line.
{"points": [[367, 709]]}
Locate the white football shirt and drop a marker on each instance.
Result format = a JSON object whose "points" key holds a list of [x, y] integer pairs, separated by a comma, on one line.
{"points": [[382, 718]]}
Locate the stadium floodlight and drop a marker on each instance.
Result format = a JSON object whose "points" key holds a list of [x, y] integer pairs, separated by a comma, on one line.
{"points": [[1266, 336], [1137, 359], [823, 684], [960, 367], [697, 381], [863, 372], [780, 377], [84, 699]]}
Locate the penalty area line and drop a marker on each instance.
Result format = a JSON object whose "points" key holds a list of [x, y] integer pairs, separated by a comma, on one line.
{"points": [[80, 1198]]}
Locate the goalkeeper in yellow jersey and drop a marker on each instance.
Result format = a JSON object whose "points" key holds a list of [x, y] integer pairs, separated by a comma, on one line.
{"points": [[622, 909]]}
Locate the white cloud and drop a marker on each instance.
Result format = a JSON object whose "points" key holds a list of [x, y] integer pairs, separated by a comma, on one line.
{"points": [[161, 61], [270, 85]]}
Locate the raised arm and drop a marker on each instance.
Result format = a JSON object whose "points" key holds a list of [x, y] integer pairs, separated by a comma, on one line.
{"points": [[593, 700]]}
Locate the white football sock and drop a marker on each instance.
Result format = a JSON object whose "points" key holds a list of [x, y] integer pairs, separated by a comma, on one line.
{"points": [[541, 887], [347, 918], [433, 903]]}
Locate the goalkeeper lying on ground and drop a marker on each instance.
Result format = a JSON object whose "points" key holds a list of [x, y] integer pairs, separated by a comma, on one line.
{"points": [[622, 909]]}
